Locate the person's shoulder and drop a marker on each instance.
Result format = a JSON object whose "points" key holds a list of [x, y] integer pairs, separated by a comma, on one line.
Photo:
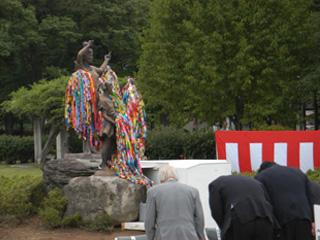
{"points": [[153, 189], [187, 187]]}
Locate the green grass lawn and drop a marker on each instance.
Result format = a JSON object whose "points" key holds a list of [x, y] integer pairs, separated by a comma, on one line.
{"points": [[20, 170]]}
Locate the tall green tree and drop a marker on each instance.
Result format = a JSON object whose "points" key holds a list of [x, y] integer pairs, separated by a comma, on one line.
{"points": [[309, 84], [216, 59]]}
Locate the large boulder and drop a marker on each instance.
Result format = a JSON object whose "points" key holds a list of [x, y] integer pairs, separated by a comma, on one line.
{"points": [[92, 196], [58, 172]]}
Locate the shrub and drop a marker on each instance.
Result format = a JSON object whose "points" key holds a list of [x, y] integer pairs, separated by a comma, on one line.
{"points": [[13, 148], [101, 223], [165, 143], [172, 143], [51, 216], [200, 145], [72, 221], [271, 128], [53, 208], [18, 196], [314, 175], [37, 189]]}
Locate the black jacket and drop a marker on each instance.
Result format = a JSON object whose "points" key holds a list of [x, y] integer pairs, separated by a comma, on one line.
{"points": [[290, 193], [243, 195]]}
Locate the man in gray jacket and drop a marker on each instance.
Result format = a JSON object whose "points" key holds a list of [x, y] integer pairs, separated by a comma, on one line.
{"points": [[174, 210]]}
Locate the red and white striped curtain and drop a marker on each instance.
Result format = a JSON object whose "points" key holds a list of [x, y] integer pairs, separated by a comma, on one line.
{"points": [[246, 150]]}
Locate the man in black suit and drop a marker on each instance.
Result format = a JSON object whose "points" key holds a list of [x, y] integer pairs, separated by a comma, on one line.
{"points": [[292, 199], [241, 208]]}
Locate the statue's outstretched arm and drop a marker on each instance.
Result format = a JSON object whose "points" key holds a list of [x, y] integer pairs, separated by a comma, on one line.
{"points": [[107, 58]]}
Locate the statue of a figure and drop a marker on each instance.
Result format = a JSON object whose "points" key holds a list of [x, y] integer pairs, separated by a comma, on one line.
{"points": [[116, 120], [84, 61], [107, 133]]}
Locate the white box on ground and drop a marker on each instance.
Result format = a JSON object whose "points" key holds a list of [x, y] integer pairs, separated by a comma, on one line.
{"points": [[316, 209], [196, 173]]}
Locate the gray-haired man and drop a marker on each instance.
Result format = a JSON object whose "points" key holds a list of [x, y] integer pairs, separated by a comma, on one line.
{"points": [[174, 210]]}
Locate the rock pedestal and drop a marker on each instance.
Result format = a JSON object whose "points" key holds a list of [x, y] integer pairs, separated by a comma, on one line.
{"points": [[58, 172], [95, 195], [91, 195]]}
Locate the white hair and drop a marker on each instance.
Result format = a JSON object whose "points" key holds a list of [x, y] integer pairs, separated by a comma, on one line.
{"points": [[167, 172]]}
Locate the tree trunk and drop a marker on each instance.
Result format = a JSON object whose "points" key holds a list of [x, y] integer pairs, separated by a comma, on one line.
{"points": [[21, 129], [316, 112], [9, 121], [239, 113], [303, 113], [42, 159]]}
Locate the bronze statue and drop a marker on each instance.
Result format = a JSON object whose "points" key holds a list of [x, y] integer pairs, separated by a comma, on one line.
{"points": [[107, 133], [84, 61]]}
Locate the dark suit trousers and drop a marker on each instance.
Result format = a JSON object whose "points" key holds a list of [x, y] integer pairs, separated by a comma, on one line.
{"points": [[297, 229], [257, 229]]}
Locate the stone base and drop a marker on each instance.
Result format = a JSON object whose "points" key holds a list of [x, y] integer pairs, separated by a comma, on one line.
{"points": [[58, 172], [87, 156], [105, 173], [95, 195]]}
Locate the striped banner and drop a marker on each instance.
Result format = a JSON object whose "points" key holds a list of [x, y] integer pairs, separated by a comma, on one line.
{"points": [[246, 150]]}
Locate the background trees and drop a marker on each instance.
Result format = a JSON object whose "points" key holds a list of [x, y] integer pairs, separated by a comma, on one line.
{"points": [[255, 61], [40, 39], [217, 59]]}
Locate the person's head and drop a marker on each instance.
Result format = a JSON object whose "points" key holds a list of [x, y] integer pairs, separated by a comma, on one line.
{"points": [[132, 81], [224, 125], [88, 55], [265, 165], [166, 173], [106, 87]]}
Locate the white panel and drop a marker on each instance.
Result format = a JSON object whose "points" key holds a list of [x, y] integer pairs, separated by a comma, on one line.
{"points": [[233, 156], [280, 153], [197, 173], [255, 155], [306, 156]]}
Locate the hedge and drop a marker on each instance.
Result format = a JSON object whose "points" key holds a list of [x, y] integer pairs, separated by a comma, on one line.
{"points": [[171, 143], [13, 148]]}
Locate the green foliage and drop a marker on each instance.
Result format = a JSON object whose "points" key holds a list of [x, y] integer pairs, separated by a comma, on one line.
{"points": [[43, 100], [216, 59], [248, 174], [173, 143], [101, 223], [53, 208], [35, 35], [165, 143], [200, 145], [19, 197], [72, 221], [37, 189], [271, 128], [314, 175], [51, 216], [13, 148]]}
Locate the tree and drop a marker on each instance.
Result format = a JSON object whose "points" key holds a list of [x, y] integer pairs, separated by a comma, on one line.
{"points": [[216, 59], [44, 100], [40, 38], [27, 52], [309, 84]]}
